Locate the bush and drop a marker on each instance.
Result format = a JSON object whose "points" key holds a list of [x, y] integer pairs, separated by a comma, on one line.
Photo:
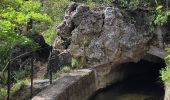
{"points": [[55, 9], [3, 93], [66, 69], [15, 88], [75, 63], [165, 74], [16, 20], [50, 35]]}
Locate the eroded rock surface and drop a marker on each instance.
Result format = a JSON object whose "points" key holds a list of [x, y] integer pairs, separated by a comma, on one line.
{"points": [[107, 35], [59, 59], [102, 39]]}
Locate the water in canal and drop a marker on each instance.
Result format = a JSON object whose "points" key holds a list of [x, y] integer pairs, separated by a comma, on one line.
{"points": [[146, 86]]}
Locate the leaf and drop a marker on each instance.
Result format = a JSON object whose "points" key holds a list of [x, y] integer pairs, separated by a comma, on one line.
{"points": [[159, 7]]}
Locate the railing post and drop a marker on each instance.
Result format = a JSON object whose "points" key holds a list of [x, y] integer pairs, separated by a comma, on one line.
{"points": [[32, 72], [9, 80]]}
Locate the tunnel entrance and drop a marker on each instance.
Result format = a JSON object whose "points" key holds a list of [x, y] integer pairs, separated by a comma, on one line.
{"points": [[142, 82]]}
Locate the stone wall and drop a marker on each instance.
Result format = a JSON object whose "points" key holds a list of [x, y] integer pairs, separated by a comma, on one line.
{"points": [[77, 85]]}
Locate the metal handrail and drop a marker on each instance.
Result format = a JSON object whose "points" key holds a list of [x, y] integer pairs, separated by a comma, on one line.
{"points": [[31, 71], [24, 54]]}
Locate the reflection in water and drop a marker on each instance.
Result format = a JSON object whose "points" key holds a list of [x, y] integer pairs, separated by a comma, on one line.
{"points": [[146, 86]]}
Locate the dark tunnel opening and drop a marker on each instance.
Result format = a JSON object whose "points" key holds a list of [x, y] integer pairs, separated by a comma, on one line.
{"points": [[142, 81], [149, 66]]}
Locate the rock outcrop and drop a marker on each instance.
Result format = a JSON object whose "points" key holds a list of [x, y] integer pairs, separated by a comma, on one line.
{"points": [[107, 36], [59, 59], [105, 40]]}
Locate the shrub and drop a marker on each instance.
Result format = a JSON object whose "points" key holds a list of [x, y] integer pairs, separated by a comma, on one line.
{"points": [[161, 16], [165, 72], [75, 63], [15, 88], [55, 9], [66, 69]]}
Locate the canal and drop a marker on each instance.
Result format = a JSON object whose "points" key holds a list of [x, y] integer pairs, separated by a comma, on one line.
{"points": [[139, 86]]}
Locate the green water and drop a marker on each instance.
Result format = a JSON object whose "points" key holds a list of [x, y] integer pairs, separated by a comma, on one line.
{"points": [[139, 87]]}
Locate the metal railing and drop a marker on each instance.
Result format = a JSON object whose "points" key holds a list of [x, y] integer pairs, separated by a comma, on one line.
{"points": [[32, 55]]}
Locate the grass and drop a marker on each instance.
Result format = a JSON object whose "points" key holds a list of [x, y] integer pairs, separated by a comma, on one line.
{"points": [[64, 69], [75, 63]]}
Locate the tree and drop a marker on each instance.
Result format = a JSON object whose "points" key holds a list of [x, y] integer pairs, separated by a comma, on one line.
{"points": [[16, 21]]}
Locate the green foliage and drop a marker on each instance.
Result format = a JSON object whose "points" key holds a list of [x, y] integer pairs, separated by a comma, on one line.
{"points": [[165, 72], [128, 4], [21, 14], [3, 93], [94, 3], [55, 9], [161, 18], [9, 38], [134, 4], [20, 74], [15, 88], [19, 84], [162, 15], [65, 69], [19, 80], [3, 77], [75, 63], [15, 15], [50, 35]]}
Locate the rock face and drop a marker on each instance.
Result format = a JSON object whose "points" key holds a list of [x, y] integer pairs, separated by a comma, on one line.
{"points": [[59, 59], [107, 36]]}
